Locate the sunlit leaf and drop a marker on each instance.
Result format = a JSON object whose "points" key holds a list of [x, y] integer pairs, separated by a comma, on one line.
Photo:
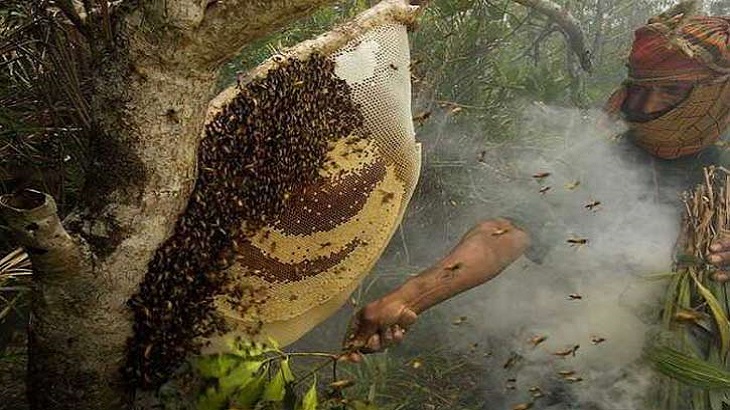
{"points": [[275, 390], [215, 366], [310, 398], [250, 393]]}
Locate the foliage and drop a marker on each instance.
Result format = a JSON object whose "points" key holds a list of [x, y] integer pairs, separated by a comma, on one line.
{"points": [[44, 92], [696, 307], [260, 376]]}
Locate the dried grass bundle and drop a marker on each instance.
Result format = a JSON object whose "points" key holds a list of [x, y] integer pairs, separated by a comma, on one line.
{"points": [[697, 306]]}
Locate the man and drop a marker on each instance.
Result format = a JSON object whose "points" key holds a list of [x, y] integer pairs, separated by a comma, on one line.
{"points": [[664, 90]]}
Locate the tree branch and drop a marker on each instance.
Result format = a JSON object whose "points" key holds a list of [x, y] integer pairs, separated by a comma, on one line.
{"points": [[568, 25], [217, 32], [64, 309]]}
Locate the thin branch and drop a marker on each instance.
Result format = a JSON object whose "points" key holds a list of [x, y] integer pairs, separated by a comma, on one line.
{"points": [[568, 25]]}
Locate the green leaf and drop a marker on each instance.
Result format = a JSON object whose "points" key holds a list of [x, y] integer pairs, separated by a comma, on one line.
{"points": [[212, 399], [275, 390], [689, 370], [241, 375], [215, 366], [310, 398], [718, 313], [249, 394]]}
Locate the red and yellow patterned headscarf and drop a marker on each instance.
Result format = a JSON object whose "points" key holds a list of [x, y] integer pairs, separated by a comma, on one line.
{"points": [[676, 99]]}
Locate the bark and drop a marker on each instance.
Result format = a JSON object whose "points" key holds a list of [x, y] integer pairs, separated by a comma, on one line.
{"points": [[568, 25]]}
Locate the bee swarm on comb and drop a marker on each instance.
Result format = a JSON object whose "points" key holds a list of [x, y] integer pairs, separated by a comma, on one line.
{"points": [[270, 139]]}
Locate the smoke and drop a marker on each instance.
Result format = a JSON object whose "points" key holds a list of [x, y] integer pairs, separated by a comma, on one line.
{"points": [[630, 236]]}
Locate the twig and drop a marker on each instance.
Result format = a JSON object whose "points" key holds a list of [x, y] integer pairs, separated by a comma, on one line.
{"points": [[568, 25]]}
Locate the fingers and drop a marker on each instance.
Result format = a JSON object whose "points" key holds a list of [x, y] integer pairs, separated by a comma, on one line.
{"points": [[721, 245], [376, 342], [720, 258], [721, 276]]}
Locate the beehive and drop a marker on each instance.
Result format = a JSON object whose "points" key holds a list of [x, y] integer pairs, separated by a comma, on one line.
{"points": [[305, 169]]}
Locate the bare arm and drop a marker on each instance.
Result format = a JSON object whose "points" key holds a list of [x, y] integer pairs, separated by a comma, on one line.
{"points": [[485, 251]]}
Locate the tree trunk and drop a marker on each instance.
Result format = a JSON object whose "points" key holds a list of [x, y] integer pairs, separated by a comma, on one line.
{"points": [[149, 102]]}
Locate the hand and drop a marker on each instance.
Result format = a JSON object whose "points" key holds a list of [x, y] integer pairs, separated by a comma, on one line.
{"points": [[378, 325], [720, 256]]}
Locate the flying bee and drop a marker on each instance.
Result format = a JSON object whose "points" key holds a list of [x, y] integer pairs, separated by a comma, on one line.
{"points": [[567, 352], [566, 373], [512, 360], [592, 205], [597, 340], [500, 232], [572, 185], [537, 340], [393, 66], [536, 392], [541, 175], [341, 384], [459, 320], [573, 379], [574, 296], [422, 117], [577, 242], [544, 190]]}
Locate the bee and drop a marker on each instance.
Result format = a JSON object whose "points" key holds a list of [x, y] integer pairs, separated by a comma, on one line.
{"points": [[597, 340], [566, 373], [573, 379], [387, 197], [416, 364], [341, 384], [572, 185], [541, 175], [544, 190], [536, 392], [593, 204], [567, 352], [577, 242], [171, 115], [522, 406], [574, 296], [422, 117], [537, 340], [482, 156], [500, 232], [459, 320], [512, 360], [456, 110], [393, 66]]}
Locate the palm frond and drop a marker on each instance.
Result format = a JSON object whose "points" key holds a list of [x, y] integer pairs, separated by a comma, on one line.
{"points": [[689, 370]]}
